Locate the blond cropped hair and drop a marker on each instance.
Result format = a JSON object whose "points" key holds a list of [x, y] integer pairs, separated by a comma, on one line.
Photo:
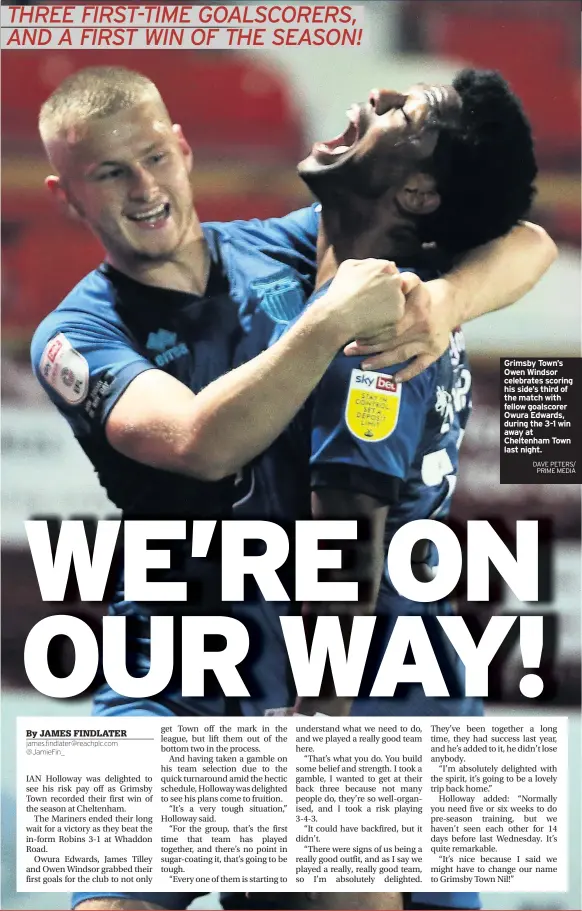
{"points": [[94, 93]]}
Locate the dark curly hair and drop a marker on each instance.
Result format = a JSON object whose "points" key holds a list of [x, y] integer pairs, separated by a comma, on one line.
{"points": [[484, 166]]}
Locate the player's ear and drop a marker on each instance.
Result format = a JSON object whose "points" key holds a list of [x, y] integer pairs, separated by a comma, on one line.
{"points": [[55, 187], [183, 144], [419, 195]]}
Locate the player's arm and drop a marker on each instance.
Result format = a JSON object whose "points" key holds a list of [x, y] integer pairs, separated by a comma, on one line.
{"points": [[498, 273], [160, 422], [334, 503], [486, 279]]}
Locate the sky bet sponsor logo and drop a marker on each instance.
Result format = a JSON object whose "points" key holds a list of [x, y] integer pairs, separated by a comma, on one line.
{"points": [[372, 405], [383, 383], [164, 343]]}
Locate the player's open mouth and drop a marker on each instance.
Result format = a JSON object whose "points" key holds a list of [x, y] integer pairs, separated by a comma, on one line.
{"points": [[331, 151], [155, 217]]}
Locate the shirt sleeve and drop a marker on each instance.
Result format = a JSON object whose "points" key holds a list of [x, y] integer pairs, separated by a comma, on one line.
{"points": [[366, 428], [291, 239], [85, 367], [298, 229]]}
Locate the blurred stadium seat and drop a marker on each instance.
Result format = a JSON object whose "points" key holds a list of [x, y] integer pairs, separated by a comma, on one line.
{"points": [[514, 45]]}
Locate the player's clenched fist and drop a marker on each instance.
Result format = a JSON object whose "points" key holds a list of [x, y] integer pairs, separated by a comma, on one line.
{"points": [[364, 298]]}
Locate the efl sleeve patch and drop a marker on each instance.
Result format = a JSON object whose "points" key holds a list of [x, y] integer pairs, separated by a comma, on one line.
{"points": [[65, 370], [372, 405]]}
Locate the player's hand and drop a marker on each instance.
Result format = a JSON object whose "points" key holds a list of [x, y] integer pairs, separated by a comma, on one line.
{"points": [[364, 299], [422, 334]]}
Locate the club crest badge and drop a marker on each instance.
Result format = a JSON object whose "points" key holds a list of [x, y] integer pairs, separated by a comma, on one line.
{"points": [[282, 298]]}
